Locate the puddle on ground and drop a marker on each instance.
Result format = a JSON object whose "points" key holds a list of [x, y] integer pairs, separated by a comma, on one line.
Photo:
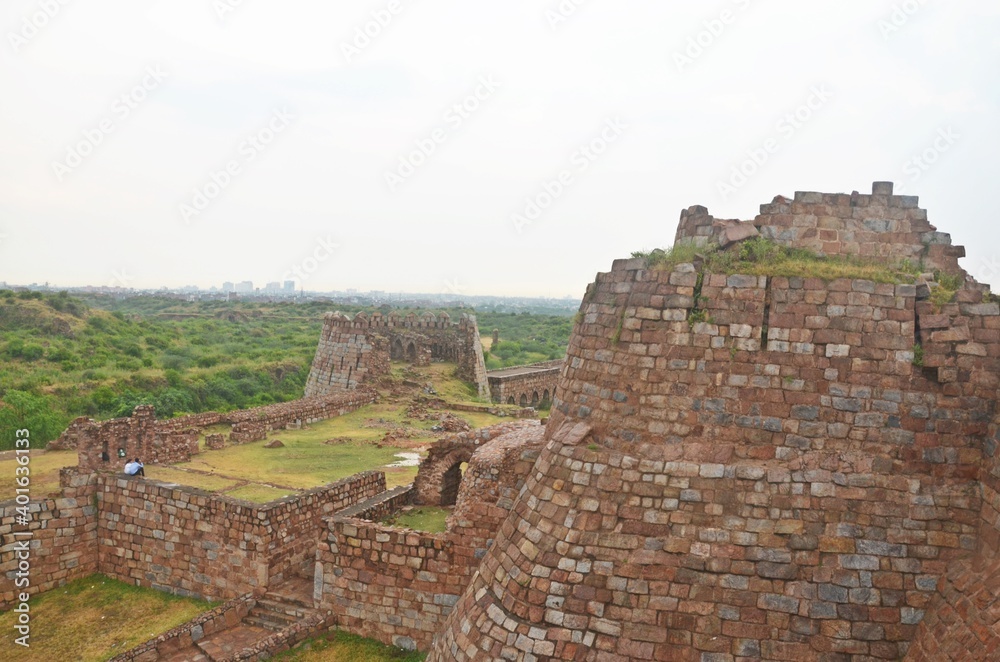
{"points": [[406, 460]]}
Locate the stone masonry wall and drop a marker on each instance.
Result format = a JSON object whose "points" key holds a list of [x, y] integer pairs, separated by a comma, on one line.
{"points": [[879, 225], [770, 478], [352, 352], [398, 585], [63, 541], [121, 439], [186, 541]]}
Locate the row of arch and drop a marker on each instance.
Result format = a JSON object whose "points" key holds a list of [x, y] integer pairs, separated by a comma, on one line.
{"points": [[535, 399], [407, 350]]}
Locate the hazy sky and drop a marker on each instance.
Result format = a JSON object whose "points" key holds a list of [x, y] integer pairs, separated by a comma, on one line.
{"points": [[196, 141]]}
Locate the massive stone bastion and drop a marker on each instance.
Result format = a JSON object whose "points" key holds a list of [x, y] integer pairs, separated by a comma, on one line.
{"points": [[745, 467]]}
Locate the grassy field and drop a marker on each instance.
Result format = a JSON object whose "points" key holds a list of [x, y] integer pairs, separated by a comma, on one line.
{"points": [[316, 455], [95, 618], [343, 647], [431, 519]]}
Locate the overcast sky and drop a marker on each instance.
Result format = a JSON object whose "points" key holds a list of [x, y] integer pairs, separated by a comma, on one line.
{"points": [[197, 141]]}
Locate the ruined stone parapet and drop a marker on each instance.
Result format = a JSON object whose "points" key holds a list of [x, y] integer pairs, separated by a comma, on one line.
{"points": [[879, 225], [109, 445]]}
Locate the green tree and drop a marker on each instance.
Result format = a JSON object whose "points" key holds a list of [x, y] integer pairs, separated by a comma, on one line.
{"points": [[22, 410]]}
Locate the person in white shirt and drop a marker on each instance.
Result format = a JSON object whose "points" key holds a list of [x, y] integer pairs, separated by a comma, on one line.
{"points": [[135, 468]]}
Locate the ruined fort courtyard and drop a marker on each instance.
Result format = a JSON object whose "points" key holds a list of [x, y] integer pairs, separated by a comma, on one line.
{"points": [[740, 462]]}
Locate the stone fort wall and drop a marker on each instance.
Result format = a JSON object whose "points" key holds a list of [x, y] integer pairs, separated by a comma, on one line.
{"points": [[773, 478], [170, 537], [356, 351]]}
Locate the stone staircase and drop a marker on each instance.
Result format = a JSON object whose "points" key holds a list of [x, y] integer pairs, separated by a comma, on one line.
{"points": [[281, 607]]}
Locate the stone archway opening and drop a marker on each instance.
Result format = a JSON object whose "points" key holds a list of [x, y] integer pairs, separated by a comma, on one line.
{"points": [[524, 399], [510, 400], [450, 483], [535, 399], [411, 352], [546, 398], [396, 352]]}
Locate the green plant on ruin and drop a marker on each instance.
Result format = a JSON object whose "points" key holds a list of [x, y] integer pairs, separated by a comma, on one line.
{"points": [[947, 286], [918, 355], [617, 336], [697, 316], [761, 256]]}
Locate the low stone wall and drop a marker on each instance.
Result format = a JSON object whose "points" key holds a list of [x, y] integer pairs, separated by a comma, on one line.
{"points": [[248, 432], [183, 636], [365, 567], [63, 542], [189, 542]]}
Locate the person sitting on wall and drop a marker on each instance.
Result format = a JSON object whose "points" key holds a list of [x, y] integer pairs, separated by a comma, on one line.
{"points": [[135, 468]]}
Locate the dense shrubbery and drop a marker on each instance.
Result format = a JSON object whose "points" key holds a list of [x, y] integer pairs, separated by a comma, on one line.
{"points": [[71, 359]]}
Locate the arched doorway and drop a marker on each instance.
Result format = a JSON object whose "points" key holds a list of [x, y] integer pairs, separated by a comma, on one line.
{"points": [[524, 400], [545, 398], [396, 352], [411, 352], [449, 484], [534, 399], [510, 400]]}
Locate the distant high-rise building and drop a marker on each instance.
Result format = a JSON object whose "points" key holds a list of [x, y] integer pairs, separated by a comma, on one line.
{"points": [[290, 286], [228, 287], [245, 287], [273, 288]]}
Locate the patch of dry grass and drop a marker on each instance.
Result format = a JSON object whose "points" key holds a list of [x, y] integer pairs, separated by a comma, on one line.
{"points": [[94, 618]]}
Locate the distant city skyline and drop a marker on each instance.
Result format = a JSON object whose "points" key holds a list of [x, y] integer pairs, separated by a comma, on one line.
{"points": [[167, 143]]}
